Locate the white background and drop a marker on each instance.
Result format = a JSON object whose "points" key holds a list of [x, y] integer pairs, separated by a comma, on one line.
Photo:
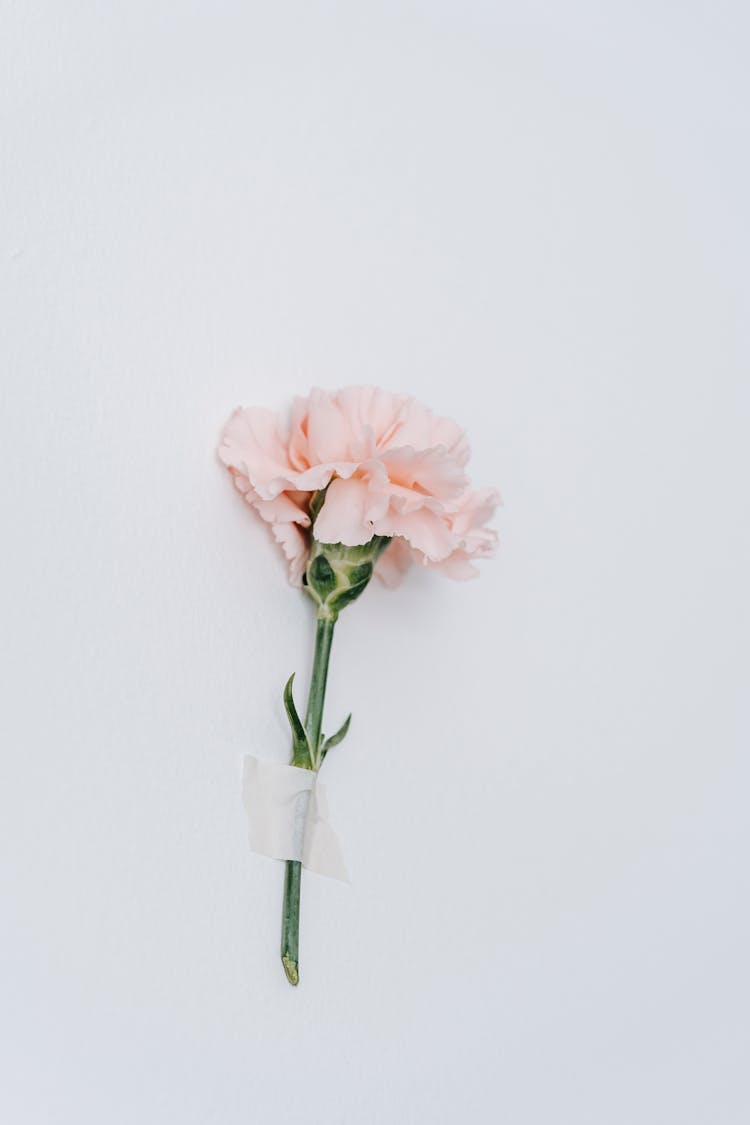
{"points": [[534, 217]]}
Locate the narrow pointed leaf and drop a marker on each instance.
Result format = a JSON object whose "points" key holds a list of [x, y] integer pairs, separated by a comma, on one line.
{"points": [[339, 736], [299, 736]]}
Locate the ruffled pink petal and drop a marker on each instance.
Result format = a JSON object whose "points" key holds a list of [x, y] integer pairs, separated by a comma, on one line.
{"points": [[349, 513], [396, 560], [314, 478], [283, 509], [299, 450], [329, 433], [473, 539], [242, 484], [475, 509], [457, 566], [427, 471], [254, 445], [452, 438], [296, 548], [372, 415], [426, 531]]}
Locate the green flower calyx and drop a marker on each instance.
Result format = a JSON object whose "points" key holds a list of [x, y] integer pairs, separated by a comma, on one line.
{"points": [[336, 574]]}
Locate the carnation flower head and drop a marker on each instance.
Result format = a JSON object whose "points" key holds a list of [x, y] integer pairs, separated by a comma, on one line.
{"points": [[359, 465]]}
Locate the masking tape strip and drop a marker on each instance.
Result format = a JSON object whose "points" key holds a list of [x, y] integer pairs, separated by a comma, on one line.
{"points": [[288, 816]]}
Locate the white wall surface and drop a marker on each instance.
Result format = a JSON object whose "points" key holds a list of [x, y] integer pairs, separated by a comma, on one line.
{"points": [[534, 217]]}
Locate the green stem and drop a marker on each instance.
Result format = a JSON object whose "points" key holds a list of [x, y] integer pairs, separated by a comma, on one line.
{"points": [[313, 726], [316, 698]]}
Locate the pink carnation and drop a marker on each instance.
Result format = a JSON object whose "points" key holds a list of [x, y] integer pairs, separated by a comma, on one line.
{"points": [[391, 468]]}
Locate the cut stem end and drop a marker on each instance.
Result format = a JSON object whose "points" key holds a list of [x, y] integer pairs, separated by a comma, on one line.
{"points": [[291, 968]]}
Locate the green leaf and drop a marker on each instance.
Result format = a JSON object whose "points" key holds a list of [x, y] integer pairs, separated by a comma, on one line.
{"points": [[300, 744], [336, 738]]}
